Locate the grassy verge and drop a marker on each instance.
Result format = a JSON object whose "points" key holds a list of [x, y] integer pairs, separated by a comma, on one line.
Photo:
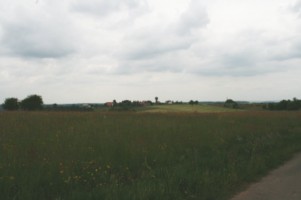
{"points": [[141, 155]]}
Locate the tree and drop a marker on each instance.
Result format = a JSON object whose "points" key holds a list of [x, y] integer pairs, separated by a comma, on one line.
{"points": [[11, 104], [156, 98], [114, 103], [32, 102], [229, 103], [191, 102], [294, 104]]}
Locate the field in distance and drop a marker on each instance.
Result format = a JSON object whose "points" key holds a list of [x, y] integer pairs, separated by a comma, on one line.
{"points": [[186, 108]]}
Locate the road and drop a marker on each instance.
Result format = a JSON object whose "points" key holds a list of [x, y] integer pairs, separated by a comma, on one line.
{"points": [[283, 183]]}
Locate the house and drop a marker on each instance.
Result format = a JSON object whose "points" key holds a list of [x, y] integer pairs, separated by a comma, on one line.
{"points": [[108, 104], [168, 102]]}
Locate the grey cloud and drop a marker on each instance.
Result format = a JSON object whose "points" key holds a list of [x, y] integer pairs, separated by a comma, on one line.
{"points": [[166, 62], [105, 7], [36, 40], [155, 41], [193, 18], [155, 46], [239, 60], [297, 8], [149, 48], [238, 69], [251, 53], [283, 49], [286, 56], [29, 42], [38, 35], [222, 72]]}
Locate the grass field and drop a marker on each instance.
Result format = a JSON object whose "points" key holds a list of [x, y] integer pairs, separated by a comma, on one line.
{"points": [[200, 108], [95, 155]]}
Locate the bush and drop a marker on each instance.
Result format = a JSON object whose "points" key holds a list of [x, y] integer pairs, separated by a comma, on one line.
{"points": [[230, 104]]}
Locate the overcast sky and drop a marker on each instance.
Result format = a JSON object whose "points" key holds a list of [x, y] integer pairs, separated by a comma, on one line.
{"points": [[71, 51]]}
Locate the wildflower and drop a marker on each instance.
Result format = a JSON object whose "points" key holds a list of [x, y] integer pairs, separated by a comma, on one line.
{"points": [[67, 180]]}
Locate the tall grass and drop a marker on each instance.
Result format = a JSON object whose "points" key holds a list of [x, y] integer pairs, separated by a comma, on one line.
{"points": [[139, 155]]}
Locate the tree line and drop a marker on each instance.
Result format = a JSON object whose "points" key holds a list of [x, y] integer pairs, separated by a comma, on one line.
{"points": [[294, 104], [35, 102], [127, 105], [32, 102]]}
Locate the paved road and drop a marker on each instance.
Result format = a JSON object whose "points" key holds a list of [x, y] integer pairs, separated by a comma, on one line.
{"points": [[283, 183]]}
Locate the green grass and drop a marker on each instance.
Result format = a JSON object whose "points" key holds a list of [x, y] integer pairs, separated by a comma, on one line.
{"points": [[141, 155], [186, 108]]}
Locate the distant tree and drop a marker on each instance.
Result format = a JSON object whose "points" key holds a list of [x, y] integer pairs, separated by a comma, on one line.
{"points": [[32, 102], [229, 103], [146, 103], [282, 105], [149, 102], [126, 103], [115, 103], [294, 104], [11, 104], [191, 102], [156, 98], [271, 106], [136, 104]]}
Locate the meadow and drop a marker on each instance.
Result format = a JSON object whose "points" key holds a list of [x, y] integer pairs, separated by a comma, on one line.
{"points": [[137, 156], [186, 108]]}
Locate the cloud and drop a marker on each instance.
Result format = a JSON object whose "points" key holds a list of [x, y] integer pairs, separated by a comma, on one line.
{"points": [[105, 8], [156, 47], [193, 18], [154, 42], [37, 32], [296, 7], [128, 47], [36, 40]]}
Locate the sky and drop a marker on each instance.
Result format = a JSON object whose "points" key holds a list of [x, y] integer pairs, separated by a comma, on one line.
{"points": [[94, 51]]}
